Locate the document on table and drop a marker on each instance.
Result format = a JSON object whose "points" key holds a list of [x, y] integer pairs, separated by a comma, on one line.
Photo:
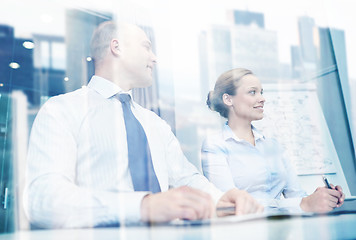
{"points": [[242, 218]]}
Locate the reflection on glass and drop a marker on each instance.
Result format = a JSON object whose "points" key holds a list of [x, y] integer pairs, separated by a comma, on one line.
{"points": [[44, 53]]}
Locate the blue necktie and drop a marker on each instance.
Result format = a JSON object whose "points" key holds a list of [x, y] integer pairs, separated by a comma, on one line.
{"points": [[140, 162]]}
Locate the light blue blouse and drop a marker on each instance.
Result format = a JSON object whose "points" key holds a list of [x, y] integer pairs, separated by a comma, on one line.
{"points": [[261, 170]]}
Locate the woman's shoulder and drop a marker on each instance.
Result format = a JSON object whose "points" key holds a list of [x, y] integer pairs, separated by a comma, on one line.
{"points": [[214, 139]]}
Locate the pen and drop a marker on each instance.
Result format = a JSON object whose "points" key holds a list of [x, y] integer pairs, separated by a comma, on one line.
{"points": [[230, 210], [326, 182]]}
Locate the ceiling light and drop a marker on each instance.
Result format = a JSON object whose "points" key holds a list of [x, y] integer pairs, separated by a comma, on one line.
{"points": [[14, 65], [28, 44]]}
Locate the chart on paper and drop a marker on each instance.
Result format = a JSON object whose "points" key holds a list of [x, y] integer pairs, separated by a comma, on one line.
{"points": [[294, 117]]}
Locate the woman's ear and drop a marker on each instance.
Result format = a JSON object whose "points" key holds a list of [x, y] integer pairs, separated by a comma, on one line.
{"points": [[115, 47], [227, 99]]}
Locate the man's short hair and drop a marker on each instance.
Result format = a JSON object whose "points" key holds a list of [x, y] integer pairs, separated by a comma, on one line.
{"points": [[101, 39]]}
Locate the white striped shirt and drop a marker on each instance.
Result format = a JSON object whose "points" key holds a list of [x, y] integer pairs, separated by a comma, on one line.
{"points": [[77, 174]]}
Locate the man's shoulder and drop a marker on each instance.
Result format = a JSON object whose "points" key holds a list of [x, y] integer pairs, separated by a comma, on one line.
{"points": [[78, 93], [147, 112], [151, 119], [71, 106], [75, 99]]}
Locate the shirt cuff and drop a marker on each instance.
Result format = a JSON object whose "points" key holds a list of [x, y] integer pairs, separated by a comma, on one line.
{"points": [[215, 193], [291, 203], [125, 207], [288, 204]]}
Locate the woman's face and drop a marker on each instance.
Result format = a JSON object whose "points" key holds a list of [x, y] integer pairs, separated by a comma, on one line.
{"points": [[248, 101]]}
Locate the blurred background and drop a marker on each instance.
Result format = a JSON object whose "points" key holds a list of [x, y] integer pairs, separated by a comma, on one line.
{"points": [[304, 53]]}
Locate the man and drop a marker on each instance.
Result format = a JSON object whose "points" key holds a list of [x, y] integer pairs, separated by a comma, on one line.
{"points": [[80, 169]]}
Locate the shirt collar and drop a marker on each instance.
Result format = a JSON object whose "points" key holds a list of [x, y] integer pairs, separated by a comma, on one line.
{"points": [[105, 87], [229, 134], [258, 135]]}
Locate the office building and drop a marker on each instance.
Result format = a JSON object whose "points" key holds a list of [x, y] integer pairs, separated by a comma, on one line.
{"points": [[256, 49], [50, 64], [215, 53], [79, 28], [306, 27], [16, 62], [223, 47], [246, 18], [297, 62], [307, 50]]}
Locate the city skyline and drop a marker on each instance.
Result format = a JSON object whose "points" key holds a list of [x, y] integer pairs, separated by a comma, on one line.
{"points": [[50, 18]]}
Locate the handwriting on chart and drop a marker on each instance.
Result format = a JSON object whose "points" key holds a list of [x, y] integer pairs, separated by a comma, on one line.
{"points": [[296, 120]]}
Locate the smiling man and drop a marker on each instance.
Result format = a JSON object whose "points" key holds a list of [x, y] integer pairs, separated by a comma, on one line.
{"points": [[97, 158]]}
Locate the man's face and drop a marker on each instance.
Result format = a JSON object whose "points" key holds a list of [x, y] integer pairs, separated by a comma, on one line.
{"points": [[137, 57]]}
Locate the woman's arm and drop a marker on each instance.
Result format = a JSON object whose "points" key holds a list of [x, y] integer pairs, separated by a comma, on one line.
{"points": [[215, 165]]}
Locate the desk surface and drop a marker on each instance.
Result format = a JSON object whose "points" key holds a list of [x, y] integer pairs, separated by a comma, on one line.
{"points": [[319, 227]]}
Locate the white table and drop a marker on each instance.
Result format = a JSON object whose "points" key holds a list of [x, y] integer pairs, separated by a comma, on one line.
{"points": [[320, 227]]}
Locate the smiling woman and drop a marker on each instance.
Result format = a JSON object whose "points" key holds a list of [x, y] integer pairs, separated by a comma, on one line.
{"points": [[238, 96], [240, 156]]}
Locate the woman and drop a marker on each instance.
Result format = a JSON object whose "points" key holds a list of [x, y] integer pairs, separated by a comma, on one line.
{"points": [[240, 156]]}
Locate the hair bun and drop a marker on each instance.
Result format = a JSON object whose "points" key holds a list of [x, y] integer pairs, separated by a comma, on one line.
{"points": [[209, 99]]}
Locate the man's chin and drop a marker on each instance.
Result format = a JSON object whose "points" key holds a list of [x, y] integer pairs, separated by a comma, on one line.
{"points": [[144, 84]]}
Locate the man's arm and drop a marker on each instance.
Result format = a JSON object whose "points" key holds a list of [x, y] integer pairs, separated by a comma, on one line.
{"points": [[178, 203], [52, 198], [183, 173], [243, 202]]}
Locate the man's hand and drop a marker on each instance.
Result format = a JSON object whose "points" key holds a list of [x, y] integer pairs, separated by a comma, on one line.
{"points": [[244, 203], [323, 200], [183, 203]]}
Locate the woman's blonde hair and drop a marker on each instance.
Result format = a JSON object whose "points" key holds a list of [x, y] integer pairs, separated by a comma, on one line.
{"points": [[226, 83]]}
